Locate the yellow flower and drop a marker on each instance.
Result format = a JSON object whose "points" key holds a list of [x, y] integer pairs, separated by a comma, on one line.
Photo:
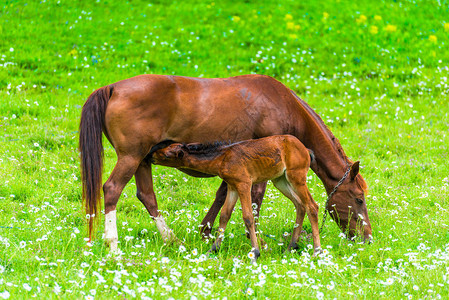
{"points": [[361, 19], [377, 18], [288, 17], [235, 18], [373, 30], [297, 27], [325, 15], [293, 36], [290, 25], [433, 39], [390, 28], [73, 52], [446, 26]]}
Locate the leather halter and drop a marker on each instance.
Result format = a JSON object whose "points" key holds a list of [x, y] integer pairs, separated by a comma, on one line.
{"points": [[331, 194]]}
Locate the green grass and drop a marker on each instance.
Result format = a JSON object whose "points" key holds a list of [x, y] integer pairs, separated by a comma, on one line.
{"points": [[376, 72]]}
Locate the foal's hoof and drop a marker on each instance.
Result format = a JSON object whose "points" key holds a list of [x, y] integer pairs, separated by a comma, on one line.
{"points": [[254, 255], [317, 252]]}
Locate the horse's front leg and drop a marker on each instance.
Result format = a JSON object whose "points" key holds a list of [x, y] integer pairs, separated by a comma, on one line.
{"points": [[145, 193], [122, 173], [209, 219]]}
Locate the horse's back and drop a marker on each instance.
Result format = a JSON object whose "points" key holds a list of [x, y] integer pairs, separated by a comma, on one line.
{"points": [[152, 108], [147, 87]]}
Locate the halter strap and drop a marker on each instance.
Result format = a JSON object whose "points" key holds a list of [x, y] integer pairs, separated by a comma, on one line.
{"points": [[331, 194]]}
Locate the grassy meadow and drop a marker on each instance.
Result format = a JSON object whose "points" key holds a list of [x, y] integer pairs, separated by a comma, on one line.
{"points": [[375, 71]]}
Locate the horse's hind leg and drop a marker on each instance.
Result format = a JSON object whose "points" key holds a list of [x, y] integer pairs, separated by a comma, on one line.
{"points": [[145, 193], [123, 171], [286, 189]]}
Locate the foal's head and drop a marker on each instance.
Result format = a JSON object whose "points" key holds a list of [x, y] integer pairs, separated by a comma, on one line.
{"points": [[348, 206], [170, 156]]}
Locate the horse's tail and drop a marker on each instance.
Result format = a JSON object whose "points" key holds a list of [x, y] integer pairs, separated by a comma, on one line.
{"points": [[91, 148]]}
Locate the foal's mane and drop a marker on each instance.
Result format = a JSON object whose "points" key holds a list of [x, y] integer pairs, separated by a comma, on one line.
{"points": [[359, 179], [160, 145], [207, 149]]}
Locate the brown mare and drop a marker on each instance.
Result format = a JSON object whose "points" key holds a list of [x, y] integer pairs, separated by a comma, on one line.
{"points": [[137, 113], [283, 159]]}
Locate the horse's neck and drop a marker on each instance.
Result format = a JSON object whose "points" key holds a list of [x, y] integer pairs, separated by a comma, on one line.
{"points": [[327, 168], [330, 164]]}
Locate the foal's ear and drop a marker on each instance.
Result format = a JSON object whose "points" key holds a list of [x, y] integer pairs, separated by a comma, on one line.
{"points": [[355, 169]]}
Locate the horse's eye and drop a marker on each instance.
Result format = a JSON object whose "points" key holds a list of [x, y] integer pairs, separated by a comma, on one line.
{"points": [[359, 200]]}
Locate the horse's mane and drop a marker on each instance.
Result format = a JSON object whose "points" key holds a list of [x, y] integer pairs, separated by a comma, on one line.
{"points": [[359, 179]]}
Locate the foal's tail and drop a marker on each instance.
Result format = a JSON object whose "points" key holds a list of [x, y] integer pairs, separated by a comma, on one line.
{"points": [[91, 148]]}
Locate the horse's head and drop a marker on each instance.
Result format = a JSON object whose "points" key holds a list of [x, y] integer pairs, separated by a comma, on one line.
{"points": [[347, 206], [170, 156]]}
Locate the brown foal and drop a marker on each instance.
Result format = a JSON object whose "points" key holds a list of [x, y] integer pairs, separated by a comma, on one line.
{"points": [[283, 159]]}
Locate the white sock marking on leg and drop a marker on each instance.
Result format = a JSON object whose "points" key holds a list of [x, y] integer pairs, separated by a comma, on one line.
{"points": [[164, 230], [110, 230]]}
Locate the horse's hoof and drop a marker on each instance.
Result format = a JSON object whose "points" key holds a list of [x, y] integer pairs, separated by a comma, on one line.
{"points": [[292, 246], [206, 234]]}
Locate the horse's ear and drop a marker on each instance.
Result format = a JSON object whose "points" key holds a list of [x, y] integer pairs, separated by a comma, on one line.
{"points": [[355, 169]]}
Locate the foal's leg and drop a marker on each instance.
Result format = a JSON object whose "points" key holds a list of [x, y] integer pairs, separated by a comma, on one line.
{"points": [[123, 171], [286, 189], [298, 182], [145, 193], [225, 215], [257, 192], [244, 190]]}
